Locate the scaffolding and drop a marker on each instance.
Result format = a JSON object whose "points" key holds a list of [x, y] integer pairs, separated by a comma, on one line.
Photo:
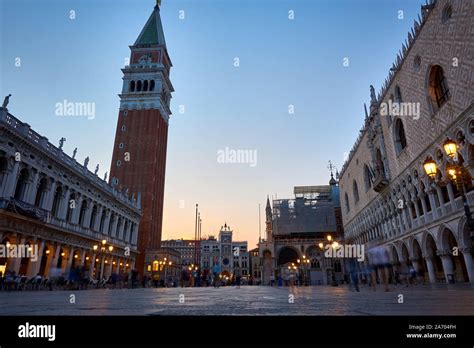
{"points": [[311, 212]]}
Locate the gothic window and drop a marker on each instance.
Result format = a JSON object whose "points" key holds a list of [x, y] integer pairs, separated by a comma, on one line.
{"points": [[152, 85], [123, 128], [21, 184], [346, 200], [447, 13], [56, 201], [400, 138], [367, 178], [131, 86], [121, 145], [355, 191], [119, 162], [417, 62], [41, 192], [139, 86], [398, 95], [437, 87], [145, 85], [389, 116]]}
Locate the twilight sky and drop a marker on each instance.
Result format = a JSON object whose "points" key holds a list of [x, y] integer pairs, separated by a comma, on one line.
{"points": [[284, 65]]}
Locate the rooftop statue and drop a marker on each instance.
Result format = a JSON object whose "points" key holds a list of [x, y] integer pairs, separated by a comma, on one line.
{"points": [[6, 101], [373, 98]]}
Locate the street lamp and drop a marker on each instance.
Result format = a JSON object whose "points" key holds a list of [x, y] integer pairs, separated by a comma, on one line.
{"points": [[333, 245], [103, 251], [430, 167], [304, 262], [456, 174]]}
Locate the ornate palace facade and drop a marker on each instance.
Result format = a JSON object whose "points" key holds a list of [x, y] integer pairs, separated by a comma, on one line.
{"points": [[387, 198]]}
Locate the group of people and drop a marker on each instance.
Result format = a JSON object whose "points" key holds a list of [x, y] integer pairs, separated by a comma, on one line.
{"points": [[380, 271], [77, 279], [214, 277]]}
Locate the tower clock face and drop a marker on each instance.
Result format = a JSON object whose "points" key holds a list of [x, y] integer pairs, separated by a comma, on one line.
{"points": [[145, 58]]}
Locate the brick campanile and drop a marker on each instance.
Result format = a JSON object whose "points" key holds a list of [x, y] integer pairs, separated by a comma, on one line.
{"points": [[139, 154]]}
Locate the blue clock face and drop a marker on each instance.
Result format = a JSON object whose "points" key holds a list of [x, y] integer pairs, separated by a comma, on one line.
{"points": [[225, 261]]}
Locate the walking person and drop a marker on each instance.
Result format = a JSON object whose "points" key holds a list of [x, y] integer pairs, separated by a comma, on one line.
{"points": [[238, 275], [354, 279], [216, 270]]}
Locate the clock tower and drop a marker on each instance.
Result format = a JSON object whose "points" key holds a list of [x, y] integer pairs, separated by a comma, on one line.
{"points": [[139, 154]]}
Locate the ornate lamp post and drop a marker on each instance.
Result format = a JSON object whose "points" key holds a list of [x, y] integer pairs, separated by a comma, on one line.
{"points": [[456, 173], [103, 250], [304, 262], [333, 245]]}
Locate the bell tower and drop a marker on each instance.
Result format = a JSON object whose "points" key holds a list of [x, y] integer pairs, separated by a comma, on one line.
{"points": [[139, 154]]}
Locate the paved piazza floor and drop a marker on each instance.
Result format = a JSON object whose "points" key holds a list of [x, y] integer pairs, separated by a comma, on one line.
{"points": [[248, 300]]}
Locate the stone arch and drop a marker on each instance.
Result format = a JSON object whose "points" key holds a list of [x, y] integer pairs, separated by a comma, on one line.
{"points": [[454, 257], [405, 255], [393, 253], [427, 242], [287, 254]]}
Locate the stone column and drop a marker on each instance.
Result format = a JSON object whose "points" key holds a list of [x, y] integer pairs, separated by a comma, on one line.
{"points": [[35, 266], [110, 266], [125, 230], [50, 199], [87, 215], [451, 194], [76, 211], [16, 262], [447, 263], [423, 205], [98, 218], [469, 263], [431, 194], [135, 234], [11, 180], [114, 227], [120, 229], [83, 258], [54, 262], [105, 229], [67, 270], [439, 192], [417, 209], [91, 268], [431, 270], [64, 205], [102, 263], [32, 189]]}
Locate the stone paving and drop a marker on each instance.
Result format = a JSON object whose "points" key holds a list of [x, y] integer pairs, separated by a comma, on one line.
{"points": [[248, 300]]}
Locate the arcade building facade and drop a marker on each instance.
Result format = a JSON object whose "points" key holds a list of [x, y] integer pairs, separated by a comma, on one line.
{"points": [[48, 199]]}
